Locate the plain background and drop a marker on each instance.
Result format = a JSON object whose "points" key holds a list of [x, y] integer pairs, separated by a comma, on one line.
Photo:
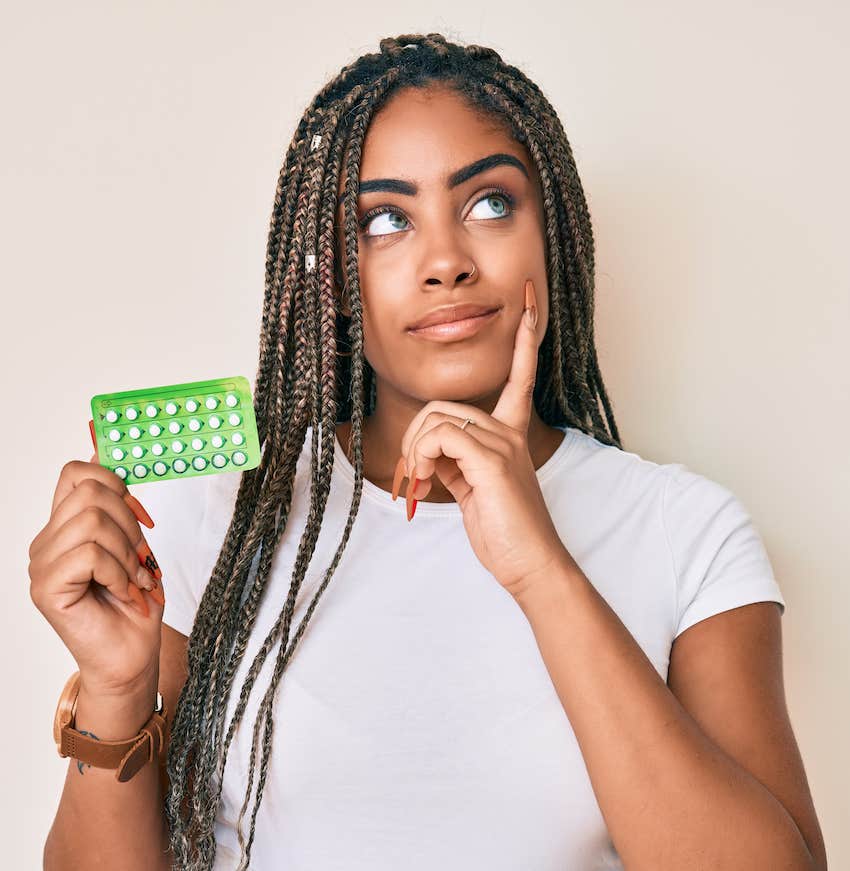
{"points": [[141, 149]]}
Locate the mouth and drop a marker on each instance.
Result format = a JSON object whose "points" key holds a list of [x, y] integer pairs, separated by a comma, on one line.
{"points": [[454, 330]]}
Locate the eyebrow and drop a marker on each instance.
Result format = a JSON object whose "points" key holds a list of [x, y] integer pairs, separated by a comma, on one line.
{"points": [[409, 188]]}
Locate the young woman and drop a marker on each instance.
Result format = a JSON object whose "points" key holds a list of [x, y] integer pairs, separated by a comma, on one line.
{"points": [[567, 656]]}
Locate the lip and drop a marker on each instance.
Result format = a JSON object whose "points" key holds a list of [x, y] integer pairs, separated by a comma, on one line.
{"points": [[454, 330]]}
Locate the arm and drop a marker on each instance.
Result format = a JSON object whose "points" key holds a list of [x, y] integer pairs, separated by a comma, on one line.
{"points": [[100, 821], [670, 797]]}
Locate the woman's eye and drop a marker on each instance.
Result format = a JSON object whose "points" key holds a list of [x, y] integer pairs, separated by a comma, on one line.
{"points": [[499, 203]]}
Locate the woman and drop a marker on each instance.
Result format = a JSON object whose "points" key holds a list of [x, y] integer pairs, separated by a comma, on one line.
{"points": [[524, 675]]}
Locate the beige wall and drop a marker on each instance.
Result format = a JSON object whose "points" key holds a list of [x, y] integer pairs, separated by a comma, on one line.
{"points": [[141, 148]]}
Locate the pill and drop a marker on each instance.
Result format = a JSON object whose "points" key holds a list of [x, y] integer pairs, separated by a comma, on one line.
{"points": [[179, 465], [160, 468], [137, 451], [232, 400], [121, 472], [140, 470], [151, 410], [194, 424], [199, 463], [197, 444], [174, 427], [239, 458], [219, 460], [237, 438], [214, 421], [157, 449], [191, 405], [211, 403], [177, 446], [134, 432], [155, 429], [217, 441], [115, 435], [111, 415], [131, 413], [117, 454], [234, 419], [171, 408]]}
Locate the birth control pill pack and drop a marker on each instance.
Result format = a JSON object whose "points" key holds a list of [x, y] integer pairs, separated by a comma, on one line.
{"points": [[177, 430]]}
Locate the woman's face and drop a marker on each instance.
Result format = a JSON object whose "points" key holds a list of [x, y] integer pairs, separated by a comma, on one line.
{"points": [[419, 251]]}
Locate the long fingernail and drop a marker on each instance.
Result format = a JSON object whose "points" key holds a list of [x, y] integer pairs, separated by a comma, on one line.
{"points": [[136, 595], [411, 502], [398, 477], [530, 311], [158, 593], [136, 507], [148, 560]]}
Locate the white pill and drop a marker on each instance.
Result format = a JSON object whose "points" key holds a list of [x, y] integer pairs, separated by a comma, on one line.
{"points": [[137, 451], [217, 441], [157, 449], [199, 463], [117, 454], [174, 427], [197, 444], [211, 403], [191, 405], [140, 470], [160, 468], [180, 465], [115, 435], [194, 424], [151, 410], [131, 413], [111, 415], [237, 438], [239, 458], [134, 432], [214, 421], [121, 472], [234, 419], [177, 446], [171, 408], [155, 429], [232, 400], [219, 460]]}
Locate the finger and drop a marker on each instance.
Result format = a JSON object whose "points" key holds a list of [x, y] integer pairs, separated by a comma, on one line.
{"points": [[474, 450], [515, 403], [68, 577], [95, 492], [123, 539]]}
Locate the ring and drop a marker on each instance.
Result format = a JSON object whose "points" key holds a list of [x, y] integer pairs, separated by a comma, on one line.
{"points": [[466, 422]]}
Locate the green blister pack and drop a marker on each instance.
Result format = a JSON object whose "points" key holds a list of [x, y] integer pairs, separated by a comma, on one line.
{"points": [[176, 430]]}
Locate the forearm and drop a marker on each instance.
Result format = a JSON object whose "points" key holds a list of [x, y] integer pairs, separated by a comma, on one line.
{"points": [[101, 822], [670, 797]]}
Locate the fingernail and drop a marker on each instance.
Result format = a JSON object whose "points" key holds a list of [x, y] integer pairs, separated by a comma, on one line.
{"points": [[136, 507], [93, 438], [398, 477], [530, 311], [411, 487], [136, 594], [148, 560], [159, 594]]}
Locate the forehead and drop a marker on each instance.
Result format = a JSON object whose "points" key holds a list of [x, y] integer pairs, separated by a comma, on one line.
{"points": [[423, 135]]}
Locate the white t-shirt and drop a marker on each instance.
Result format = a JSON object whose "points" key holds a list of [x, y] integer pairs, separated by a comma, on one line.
{"points": [[416, 725]]}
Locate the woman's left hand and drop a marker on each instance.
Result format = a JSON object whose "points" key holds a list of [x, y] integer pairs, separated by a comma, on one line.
{"points": [[488, 470]]}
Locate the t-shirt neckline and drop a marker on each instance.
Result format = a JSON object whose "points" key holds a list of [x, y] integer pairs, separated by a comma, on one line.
{"points": [[381, 497]]}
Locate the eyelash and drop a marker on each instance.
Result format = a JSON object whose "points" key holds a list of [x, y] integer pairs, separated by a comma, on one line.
{"points": [[380, 210]]}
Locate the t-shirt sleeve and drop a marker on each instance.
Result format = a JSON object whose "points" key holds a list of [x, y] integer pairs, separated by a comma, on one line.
{"points": [[177, 509], [719, 559]]}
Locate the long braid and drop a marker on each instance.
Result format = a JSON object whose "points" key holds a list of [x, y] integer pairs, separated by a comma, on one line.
{"points": [[302, 380]]}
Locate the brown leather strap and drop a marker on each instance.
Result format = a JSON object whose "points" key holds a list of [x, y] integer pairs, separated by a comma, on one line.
{"points": [[126, 757]]}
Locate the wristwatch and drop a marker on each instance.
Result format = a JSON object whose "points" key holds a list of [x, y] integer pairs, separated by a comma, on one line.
{"points": [[126, 757]]}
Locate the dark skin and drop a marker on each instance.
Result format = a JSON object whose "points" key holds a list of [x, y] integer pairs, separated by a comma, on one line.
{"points": [[443, 246]]}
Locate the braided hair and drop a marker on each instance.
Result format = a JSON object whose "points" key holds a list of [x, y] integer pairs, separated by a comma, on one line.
{"points": [[303, 380]]}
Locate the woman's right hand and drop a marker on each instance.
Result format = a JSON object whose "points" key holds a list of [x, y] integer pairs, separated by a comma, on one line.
{"points": [[88, 581]]}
